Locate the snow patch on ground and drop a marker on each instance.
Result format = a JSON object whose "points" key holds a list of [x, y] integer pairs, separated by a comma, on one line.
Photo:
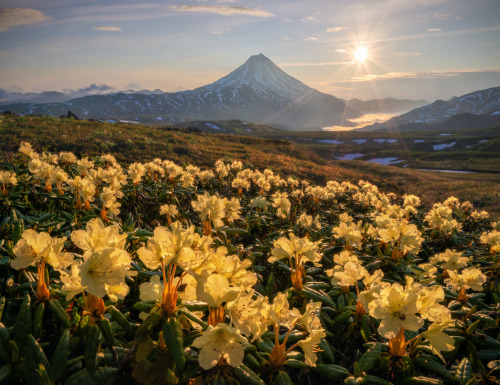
{"points": [[359, 141], [213, 126], [329, 141], [392, 141], [349, 156], [160, 118], [379, 140], [444, 134], [386, 161], [484, 140], [437, 147], [457, 171], [419, 141]]}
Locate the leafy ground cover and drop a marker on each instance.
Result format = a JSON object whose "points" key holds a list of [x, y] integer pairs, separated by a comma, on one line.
{"points": [[156, 273]]}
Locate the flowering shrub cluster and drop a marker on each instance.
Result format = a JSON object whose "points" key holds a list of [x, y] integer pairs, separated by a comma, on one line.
{"points": [[165, 274]]}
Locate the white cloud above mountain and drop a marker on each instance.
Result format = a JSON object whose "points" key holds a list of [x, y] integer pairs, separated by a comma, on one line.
{"points": [[224, 10], [15, 17]]}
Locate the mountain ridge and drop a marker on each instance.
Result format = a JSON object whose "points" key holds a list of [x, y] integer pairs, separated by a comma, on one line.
{"points": [[257, 91], [477, 103]]}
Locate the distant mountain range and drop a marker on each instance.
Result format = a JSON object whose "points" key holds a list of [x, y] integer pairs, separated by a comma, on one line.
{"points": [[258, 91], [479, 109]]}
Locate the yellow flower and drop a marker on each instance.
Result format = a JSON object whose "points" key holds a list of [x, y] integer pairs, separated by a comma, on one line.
{"points": [[350, 233], [34, 247], [450, 260], [250, 317], [396, 309], [220, 344], [439, 340], [281, 314], [310, 319], [310, 346], [215, 290], [429, 304], [72, 283], [98, 236], [168, 246], [470, 278], [103, 267]]}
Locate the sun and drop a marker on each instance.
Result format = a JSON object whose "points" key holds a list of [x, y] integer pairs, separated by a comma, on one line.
{"points": [[361, 54]]}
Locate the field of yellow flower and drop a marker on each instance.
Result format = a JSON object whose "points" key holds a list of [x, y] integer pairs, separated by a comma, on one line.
{"points": [[165, 274]]}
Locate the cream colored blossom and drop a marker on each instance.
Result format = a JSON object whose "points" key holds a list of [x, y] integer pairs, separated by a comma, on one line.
{"points": [[169, 246], [281, 314], [98, 236], [103, 267], [396, 308], [310, 346], [34, 247], [450, 260], [470, 278], [221, 342], [439, 340], [249, 316], [210, 208], [215, 290]]}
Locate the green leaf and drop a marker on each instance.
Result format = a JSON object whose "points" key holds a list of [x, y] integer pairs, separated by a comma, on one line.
{"points": [[330, 371], [464, 371], [91, 344], [2, 307], [84, 377], [38, 320], [119, 318], [246, 376], [317, 296], [370, 359], [105, 328], [56, 308], [427, 362], [421, 380], [24, 324], [283, 379], [5, 372], [43, 376], [35, 356], [172, 333], [376, 380], [60, 357]]}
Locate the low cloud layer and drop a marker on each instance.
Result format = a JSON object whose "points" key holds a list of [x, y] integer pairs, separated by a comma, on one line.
{"points": [[108, 29], [15, 17], [224, 10]]}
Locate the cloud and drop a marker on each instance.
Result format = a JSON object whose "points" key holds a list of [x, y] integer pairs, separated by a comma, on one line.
{"points": [[224, 10], [93, 89], [14, 17], [308, 18], [340, 50], [315, 37], [420, 75], [310, 64], [336, 29], [109, 29], [219, 31], [433, 29]]}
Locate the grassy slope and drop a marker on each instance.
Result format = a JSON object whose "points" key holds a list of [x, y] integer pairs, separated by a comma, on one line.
{"points": [[131, 143]]}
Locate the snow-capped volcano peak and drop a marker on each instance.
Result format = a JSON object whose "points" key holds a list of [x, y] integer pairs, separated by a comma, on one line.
{"points": [[261, 74]]}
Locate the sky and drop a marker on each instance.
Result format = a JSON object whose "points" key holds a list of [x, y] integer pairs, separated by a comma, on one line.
{"points": [[425, 49]]}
